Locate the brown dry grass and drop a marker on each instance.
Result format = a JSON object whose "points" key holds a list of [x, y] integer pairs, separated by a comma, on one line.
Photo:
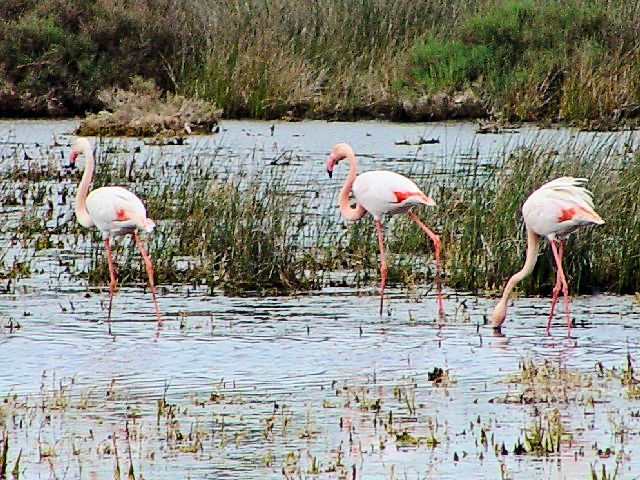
{"points": [[143, 111]]}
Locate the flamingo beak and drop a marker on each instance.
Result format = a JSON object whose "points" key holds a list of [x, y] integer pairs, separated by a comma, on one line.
{"points": [[331, 162], [72, 158]]}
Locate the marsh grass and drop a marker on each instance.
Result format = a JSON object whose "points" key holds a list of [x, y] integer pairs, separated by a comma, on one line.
{"points": [[238, 233], [246, 229], [484, 237], [338, 59]]}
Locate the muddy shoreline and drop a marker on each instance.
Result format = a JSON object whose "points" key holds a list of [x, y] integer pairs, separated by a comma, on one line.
{"points": [[427, 108]]}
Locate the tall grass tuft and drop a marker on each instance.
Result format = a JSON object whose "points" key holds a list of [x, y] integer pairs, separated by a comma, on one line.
{"points": [[238, 234], [229, 232], [484, 237]]}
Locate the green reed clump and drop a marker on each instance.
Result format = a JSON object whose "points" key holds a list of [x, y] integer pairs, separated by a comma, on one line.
{"points": [[484, 237], [542, 439], [252, 58], [240, 234], [235, 232], [339, 58]]}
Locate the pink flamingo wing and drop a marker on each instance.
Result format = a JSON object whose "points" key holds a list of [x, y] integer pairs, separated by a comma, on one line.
{"points": [[402, 196]]}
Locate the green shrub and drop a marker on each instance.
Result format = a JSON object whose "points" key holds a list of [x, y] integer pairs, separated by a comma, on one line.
{"points": [[522, 55], [449, 64]]}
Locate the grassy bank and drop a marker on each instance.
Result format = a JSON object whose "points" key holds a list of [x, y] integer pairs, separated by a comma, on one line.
{"points": [[543, 60]]}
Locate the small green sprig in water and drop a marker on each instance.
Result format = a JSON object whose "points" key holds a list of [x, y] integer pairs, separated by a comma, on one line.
{"points": [[542, 438], [603, 474]]}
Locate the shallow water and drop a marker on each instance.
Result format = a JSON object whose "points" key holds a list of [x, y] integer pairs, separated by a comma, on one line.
{"points": [[377, 144], [323, 369]]}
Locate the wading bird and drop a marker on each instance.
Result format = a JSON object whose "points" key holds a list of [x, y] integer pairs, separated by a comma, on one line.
{"points": [[381, 192], [553, 211], [114, 211]]}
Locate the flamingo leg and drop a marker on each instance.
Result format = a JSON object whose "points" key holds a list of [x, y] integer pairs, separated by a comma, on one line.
{"points": [[557, 254], [383, 263], [112, 275], [436, 245], [554, 300], [149, 266], [565, 291]]}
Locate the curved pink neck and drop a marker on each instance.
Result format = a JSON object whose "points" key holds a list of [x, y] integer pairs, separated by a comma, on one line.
{"points": [[533, 241], [349, 212], [83, 187]]}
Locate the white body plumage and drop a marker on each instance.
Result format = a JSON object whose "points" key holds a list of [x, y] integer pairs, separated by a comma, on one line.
{"points": [[559, 207], [382, 192], [117, 211]]}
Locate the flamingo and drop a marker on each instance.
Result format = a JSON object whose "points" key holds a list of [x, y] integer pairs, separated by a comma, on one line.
{"points": [[114, 211], [381, 192], [553, 211]]}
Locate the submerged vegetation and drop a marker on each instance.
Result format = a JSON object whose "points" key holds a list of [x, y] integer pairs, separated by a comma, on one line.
{"points": [[548, 60], [110, 426]]}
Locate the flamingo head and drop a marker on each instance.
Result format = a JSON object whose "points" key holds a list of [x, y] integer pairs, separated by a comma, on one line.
{"points": [[332, 161], [499, 315], [81, 145], [338, 152], [72, 158]]}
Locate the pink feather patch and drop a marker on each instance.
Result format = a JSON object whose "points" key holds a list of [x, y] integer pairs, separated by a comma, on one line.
{"points": [[402, 196], [121, 215]]}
